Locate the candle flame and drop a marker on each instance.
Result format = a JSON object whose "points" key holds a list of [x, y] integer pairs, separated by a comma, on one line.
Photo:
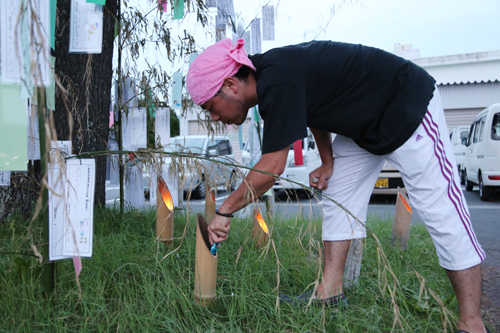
{"points": [[165, 194], [403, 200], [262, 223]]}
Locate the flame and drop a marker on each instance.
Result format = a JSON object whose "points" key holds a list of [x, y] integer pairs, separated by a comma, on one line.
{"points": [[165, 194], [403, 200], [262, 223]]}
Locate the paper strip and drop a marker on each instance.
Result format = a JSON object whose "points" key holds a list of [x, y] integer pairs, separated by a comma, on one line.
{"points": [[162, 126], [177, 91], [178, 9], [248, 43], [256, 36], [4, 178], [162, 5], [220, 28], [98, 2], [297, 153], [134, 130], [192, 56], [77, 262], [33, 132], [134, 189], [53, 14], [211, 3], [268, 22], [85, 27]]}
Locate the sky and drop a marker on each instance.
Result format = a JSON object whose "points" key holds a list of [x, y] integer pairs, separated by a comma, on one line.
{"points": [[435, 27]]}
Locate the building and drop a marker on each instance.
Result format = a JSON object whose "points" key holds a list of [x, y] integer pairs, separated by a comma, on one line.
{"points": [[468, 83]]}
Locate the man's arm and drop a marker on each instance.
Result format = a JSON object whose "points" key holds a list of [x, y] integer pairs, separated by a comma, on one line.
{"points": [[271, 162], [324, 144]]}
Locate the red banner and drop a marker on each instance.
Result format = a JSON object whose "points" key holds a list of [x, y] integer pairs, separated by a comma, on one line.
{"points": [[297, 152]]}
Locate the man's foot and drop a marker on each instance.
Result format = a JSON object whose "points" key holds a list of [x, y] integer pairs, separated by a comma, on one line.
{"points": [[338, 301]]}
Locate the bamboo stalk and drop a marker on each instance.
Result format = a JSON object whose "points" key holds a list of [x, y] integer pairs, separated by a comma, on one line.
{"points": [[205, 268], [164, 215], [260, 232], [402, 222], [48, 267]]}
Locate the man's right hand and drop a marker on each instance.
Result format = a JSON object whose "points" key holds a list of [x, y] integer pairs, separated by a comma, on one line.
{"points": [[318, 179], [218, 229]]}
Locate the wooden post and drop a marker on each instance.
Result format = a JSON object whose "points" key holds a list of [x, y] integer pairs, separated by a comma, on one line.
{"points": [[205, 267], [353, 263], [402, 222], [164, 213]]}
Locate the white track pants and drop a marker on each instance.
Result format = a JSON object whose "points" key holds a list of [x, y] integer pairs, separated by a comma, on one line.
{"points": [[428, 169]]}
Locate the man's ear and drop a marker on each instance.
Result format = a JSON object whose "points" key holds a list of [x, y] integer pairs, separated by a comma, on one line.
{"points": [[231, 84]]}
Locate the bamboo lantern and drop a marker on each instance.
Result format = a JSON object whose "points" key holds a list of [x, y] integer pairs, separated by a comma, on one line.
{"points": [[164, 213], [402, 222], [209, 203], [205, 269], [260, 232]]}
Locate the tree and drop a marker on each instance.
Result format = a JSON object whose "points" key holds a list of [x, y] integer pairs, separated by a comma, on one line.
{"points": [[82, 108]]}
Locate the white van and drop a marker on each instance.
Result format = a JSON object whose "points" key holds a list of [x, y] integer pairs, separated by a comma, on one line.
{"points": [[482, 157], [458, 137], [300, 173]]}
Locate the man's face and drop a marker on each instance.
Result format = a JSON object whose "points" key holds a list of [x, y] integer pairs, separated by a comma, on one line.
{"points": [[227, 109]]}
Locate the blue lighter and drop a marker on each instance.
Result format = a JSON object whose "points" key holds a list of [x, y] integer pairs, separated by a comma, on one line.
{"points": [[214, 248]]}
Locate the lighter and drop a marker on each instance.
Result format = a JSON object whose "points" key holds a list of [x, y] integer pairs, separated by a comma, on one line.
{"points": [[214, 248]]}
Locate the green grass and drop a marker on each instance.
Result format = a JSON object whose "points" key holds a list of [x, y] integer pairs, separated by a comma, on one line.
{"points": [[127, 286]]}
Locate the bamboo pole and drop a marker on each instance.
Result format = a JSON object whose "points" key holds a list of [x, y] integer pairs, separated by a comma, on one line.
{"points": [[48, 267], [402, 222], [164, 213], [205, 267], [260, 232], [353, 263]]}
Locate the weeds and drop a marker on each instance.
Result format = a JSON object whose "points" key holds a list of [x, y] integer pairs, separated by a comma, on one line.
{"points": [[130, 285]]}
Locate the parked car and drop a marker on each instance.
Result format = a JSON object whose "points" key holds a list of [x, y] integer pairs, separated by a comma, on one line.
{"points": [[482, 157], [458, 138], [388, 181], [300, 173], [217, 148]]}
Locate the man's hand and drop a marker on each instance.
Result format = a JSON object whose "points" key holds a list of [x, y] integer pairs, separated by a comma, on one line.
{"points": [[218, 229], [318, 179]]}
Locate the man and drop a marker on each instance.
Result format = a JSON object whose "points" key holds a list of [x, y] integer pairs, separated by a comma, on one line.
{"points": [[382, 107]]}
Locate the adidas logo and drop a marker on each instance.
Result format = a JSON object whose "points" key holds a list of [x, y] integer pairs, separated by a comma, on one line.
{"points": [[419, 137]]}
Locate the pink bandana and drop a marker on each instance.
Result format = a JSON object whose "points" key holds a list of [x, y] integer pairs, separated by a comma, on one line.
{"points": [[209, 69]]}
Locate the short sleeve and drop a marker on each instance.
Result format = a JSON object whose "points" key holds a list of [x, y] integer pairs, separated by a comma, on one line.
{"points": [[283, 109]]}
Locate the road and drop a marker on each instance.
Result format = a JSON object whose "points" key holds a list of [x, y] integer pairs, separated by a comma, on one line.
{"points": [[485, 216]]}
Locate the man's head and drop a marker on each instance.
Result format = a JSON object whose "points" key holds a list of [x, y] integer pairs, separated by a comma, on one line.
{"points": [[221, 81]]}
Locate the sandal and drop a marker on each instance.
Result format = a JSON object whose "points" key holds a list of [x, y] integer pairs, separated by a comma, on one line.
{"points": [[338, 301]]}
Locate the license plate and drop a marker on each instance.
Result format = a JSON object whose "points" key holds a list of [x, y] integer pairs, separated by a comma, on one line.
{"points": [[382, 183]]}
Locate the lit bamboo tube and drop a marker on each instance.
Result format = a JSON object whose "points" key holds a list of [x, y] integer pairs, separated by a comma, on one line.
{"points": [[209, 203], [164, 213], [260, 232], [205, 267], [402, 222]]}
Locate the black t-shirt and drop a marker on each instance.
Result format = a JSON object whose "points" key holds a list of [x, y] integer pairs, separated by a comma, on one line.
{"points": [[372, 96]]}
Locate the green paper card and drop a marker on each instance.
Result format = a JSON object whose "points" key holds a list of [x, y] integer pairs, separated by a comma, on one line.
{"points": [[13, 129], [98, 2], [178, 9]]}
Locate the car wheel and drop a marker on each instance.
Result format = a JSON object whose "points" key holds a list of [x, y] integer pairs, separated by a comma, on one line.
{"points": [[468, 184], [232, 181], [461, 172], [200, 191], [484, 191]]}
